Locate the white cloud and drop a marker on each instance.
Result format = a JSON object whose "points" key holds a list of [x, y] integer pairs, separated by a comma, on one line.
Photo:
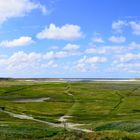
{"points": [[117, 39], [96, 50], [89, 63], [54, 48], [97, 39], [66, 32], [42, 8], [71, 47], [21, 61], [59, 54], [54, 55], [118, 25], [128, 57], [127, 67], [129, 62], [50, 64], [134, 45], [22, 41], [135, 27], [17, 8], [107, 50], [94, 59], [113, 49]]}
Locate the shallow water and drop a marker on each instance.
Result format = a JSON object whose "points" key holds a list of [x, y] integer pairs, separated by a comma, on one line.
{"points": [[32, 100]]}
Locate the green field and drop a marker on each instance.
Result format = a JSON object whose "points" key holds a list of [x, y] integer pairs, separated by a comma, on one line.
{"points": [[109, 110]]}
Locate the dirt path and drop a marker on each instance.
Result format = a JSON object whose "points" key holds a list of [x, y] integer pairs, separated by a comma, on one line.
{"points": [[75, 102], [122, 98], [63, 120], [62, 125]]}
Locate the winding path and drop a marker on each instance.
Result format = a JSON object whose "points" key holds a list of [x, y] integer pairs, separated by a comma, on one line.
{"points": [[121, 99], [62, 125]]}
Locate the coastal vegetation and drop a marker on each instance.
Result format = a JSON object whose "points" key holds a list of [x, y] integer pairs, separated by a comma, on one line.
{"points": [[69, 110]]}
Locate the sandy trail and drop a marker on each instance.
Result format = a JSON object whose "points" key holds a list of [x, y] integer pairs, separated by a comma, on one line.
{"points": [[63, 119], [63, 125]]}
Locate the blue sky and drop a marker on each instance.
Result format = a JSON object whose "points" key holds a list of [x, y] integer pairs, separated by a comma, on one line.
{"points": [[70, 38]]}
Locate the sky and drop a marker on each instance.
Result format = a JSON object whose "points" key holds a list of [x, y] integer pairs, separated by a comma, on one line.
{"points": [[70, 38]]}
